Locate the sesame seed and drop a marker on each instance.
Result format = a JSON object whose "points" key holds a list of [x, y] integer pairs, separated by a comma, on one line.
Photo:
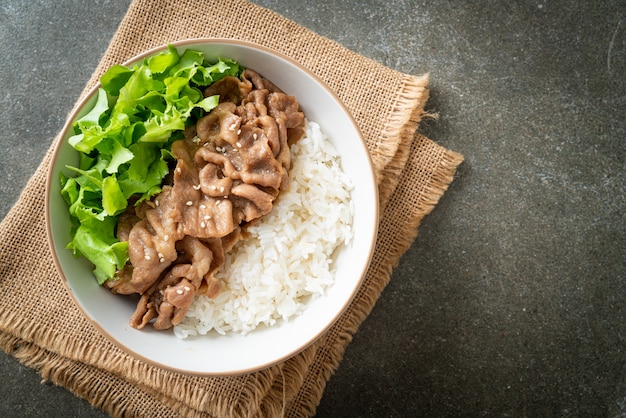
{"points": [[179, 291], [196, 187], [233, 126], [147, 257], [202, 224], [196, 139], [156, 203], [202, 206], [162, 260], [213, 187], [187, 288], [225, 197], [238, 144], [254, 136], [207, 217], [178, 170], [189, 203], [160, 255], [166, 237], [222, 189], [239, 132]]}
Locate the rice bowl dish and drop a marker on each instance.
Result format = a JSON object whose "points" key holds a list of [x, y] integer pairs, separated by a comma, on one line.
{"points": [[290, 312]]}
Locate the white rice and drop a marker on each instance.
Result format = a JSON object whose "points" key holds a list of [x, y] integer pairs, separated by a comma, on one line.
{"points": [[288, 258]]}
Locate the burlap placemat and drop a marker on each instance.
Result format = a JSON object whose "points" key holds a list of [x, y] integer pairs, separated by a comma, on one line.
{"points": [[39, 323]]}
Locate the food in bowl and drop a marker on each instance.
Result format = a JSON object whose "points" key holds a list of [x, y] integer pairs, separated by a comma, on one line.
{"points": [[233, 353], [180, 161]]}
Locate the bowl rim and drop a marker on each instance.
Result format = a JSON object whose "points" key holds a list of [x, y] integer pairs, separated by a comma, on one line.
{"points": [[61, 139]]}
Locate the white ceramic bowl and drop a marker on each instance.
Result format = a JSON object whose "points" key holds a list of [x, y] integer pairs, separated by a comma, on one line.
{"points": [[231, 354]]}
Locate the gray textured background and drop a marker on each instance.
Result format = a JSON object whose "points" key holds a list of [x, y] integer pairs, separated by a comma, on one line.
{"points": [[511, 301]]}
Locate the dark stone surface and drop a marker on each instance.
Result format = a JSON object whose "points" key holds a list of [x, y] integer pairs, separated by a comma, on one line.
{"points": [[511, 300]]}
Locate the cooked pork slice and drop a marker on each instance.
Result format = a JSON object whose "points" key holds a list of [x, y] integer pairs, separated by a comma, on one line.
{"points": [[219, 127], [256, 203], [258, 81], [258, 163], [147, 253], [230, 89], [144, 312], [283, 107], [169, 299], [285, 110]]}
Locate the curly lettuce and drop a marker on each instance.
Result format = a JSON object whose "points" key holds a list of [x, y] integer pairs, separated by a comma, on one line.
{"points": [[124, 142]]}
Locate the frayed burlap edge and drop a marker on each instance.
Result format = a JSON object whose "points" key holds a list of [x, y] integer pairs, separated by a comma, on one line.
{"points": [[93, 384], [407, 113]]}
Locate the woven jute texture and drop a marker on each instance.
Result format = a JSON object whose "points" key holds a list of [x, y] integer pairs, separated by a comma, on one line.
{"points": [[41, 326]]}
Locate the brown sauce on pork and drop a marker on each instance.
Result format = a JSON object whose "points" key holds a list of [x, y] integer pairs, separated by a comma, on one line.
{"points": [[230, 167]]}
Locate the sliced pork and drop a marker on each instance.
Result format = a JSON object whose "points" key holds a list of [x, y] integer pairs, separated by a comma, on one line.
{"points": [[230, 167]]}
